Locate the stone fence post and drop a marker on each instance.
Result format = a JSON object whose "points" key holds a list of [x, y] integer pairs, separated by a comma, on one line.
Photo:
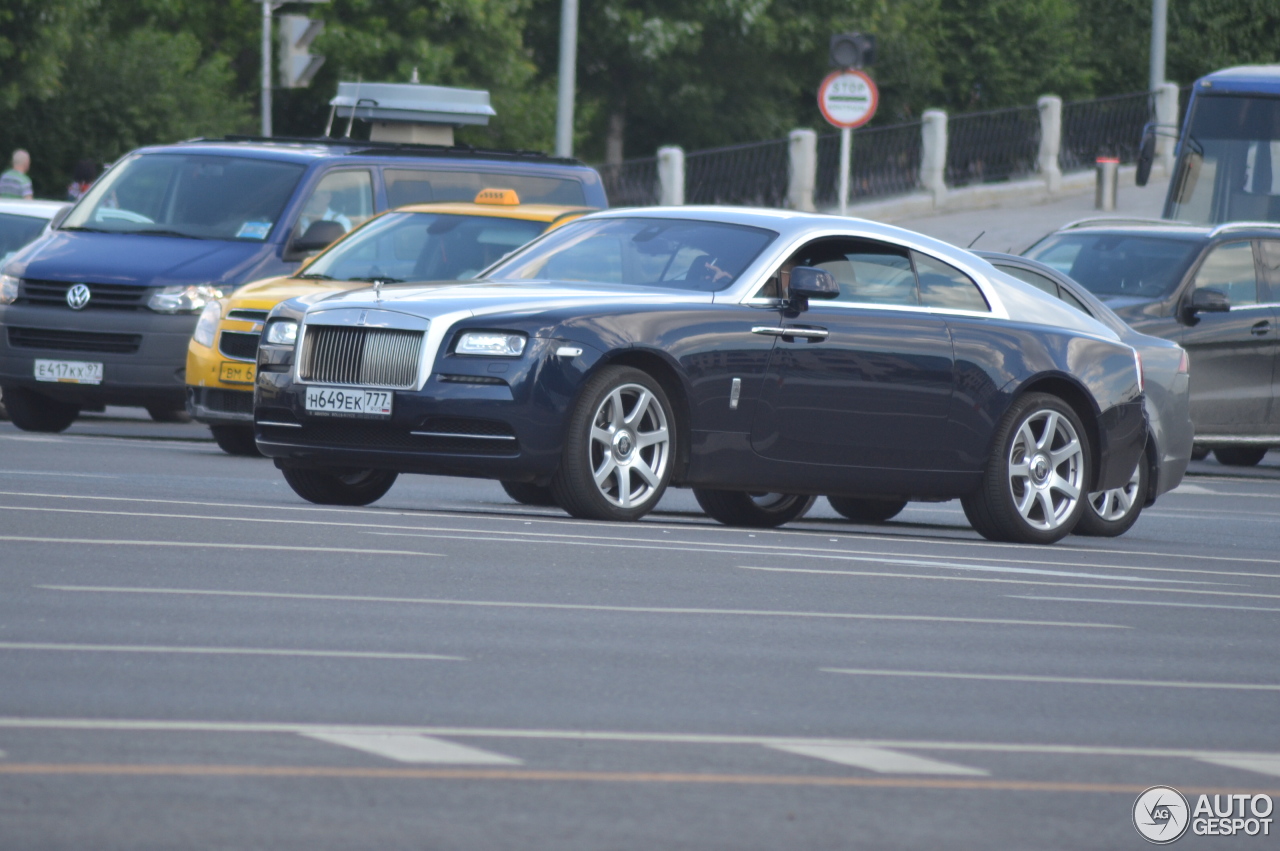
{"points": [[1166, 114], [671, 176], [1050, 107], [933, 154], [802, 156]]}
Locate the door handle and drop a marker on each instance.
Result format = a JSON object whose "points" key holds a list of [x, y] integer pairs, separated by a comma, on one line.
{"points": [[806, 333], [1260, 328]]}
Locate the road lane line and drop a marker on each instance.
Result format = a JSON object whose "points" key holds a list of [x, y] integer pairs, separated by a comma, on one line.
{"points": [[224, 651], [949, 542], [1165, 603], [277, 547], [880, 760], [344, 598], [1035, 678], [1007, 581], [45, 473], [1258, 765], [411, 747]]}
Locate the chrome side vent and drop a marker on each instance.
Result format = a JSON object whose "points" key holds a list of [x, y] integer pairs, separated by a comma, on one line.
{"points": [[362, 357]]}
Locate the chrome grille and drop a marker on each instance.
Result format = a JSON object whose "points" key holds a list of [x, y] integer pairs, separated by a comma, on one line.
{"points": [[366, 357]]}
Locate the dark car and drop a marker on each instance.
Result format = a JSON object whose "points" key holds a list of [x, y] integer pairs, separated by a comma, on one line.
{"points": [[1213, 290], [731, 351], [1165, 368], [99, 311]]}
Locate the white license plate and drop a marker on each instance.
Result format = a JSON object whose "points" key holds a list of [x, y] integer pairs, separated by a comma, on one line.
{"points": [[69, 371], [336, 402]]}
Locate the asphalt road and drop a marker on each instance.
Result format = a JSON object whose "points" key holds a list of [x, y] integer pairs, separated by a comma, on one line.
{"points": [[192, 657]]}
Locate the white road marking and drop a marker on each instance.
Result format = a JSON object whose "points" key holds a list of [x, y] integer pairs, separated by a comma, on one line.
{"points": [[224, 651], [794, 536], [290, 548], [1009, 581], [98, 589], [454, 732], [1034, 678], [1168, 604], [1269, 765], [59, 475], [1193, 489], [413, 747], [880, 760]]}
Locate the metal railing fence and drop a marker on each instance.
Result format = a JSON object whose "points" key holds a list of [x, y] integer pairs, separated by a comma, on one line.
{"points": [[885, 161], [1110, 126], [999, 144], [755, 174], [631, 183]]}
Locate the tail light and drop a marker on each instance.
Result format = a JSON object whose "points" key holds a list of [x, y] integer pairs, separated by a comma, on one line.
{"points": [[1137, 363], [1184, 365]]}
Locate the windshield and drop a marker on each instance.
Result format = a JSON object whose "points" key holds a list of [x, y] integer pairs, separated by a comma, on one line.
{"points": [[188, 195], [1117, 264], [423, 247], [644, 252], [1229, 167]]}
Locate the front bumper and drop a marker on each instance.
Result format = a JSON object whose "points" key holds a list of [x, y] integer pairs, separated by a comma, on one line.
{"points": [[143, 354]]}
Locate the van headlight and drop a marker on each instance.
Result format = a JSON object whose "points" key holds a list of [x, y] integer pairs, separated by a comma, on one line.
{"points": [[491, 343], [207, 327], [191, 298], [281, 332], [8, 289]]}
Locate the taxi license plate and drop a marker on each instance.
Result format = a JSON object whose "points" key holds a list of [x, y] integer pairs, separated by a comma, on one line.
{"points": [[335, 402], [69, 371], [236, 373]]}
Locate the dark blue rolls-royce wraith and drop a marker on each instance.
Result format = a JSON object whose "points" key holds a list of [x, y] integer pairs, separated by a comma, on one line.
{"points": [[759, 357]]}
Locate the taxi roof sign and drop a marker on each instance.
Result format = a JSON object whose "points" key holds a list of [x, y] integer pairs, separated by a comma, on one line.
{"points": [[503, 197]]}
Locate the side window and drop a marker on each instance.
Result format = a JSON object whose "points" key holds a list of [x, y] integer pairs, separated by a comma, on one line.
{"points": [[946, 286], [1271, 266], [867, 272], [408, 186], [345, 197], [1035, 279], [1229, 269]]}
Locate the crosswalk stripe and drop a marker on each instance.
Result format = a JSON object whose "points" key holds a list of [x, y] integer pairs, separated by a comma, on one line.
{"points": [[880, 760], [1259, 764], [409, 747]]}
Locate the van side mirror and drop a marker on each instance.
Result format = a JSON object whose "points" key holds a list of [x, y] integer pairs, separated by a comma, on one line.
{"points": [[810, 282], [1146, 156], [1205, 301], [318, 235]]}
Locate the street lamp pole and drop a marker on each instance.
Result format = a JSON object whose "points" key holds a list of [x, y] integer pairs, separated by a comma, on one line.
{"points": [[267, 8], [1159, 19], [568, 63]]}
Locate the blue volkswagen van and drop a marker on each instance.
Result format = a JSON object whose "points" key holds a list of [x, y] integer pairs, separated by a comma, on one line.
{"points": [[99, 311]]}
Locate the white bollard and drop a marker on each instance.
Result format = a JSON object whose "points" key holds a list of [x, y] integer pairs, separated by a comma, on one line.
{"points": [[671, 176], [1050, 141], [933, 154], [1167, 115], [802, 155]]}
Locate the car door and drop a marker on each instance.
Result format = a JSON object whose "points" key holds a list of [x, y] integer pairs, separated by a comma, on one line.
{"points": [[1232, 354], [863, 380]]}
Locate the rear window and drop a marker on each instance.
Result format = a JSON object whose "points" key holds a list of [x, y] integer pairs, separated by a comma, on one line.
{"points": [[422, 186], [1117, 264]]}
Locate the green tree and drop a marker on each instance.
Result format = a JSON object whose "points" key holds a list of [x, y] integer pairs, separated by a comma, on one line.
{"points": [[35, 38]]}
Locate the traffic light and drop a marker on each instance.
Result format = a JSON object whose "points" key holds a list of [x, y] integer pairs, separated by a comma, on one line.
{"points": [[297, 66], [852, 50]]}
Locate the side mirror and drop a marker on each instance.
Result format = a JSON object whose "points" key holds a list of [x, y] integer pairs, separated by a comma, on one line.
{"points": [[809, 282], [1205, 301], [319, 235], [1146, 156]]}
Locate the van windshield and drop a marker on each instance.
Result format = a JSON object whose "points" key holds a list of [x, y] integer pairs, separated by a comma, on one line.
{"points": [[1229, 166], [188, 195]]}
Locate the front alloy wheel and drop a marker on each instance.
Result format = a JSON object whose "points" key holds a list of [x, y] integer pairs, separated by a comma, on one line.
{"points": [[618, 453], [1033, 485]]}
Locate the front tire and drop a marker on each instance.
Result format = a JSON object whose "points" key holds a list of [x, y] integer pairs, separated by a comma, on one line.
{"points": [[759, 510], [866, 510], [236, 440], [1240, 456], [620, 447], [1111, 513], [1034, 485], [339, 487], [31, 411], [527, 493]]}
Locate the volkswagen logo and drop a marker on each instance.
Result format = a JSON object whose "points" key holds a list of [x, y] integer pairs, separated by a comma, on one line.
{"points": [[78, 297]]}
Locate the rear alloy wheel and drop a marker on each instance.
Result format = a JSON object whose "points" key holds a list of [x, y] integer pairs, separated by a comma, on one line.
{"points": [[1111, 513], [236, 440], [619, 449], [1033, 487], [866, 510], [31, 411], [339, 487], [527, 493], [1240, 456], [761, 510], [169, 415]]}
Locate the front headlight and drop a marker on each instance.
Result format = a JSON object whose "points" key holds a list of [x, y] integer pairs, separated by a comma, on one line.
{"points": [[492, 343], [183, 299], [8, 289], [282, 332], [207, 327]]}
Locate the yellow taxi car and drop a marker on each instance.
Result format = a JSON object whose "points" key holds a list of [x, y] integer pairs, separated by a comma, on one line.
{"points": [[419, 242]]}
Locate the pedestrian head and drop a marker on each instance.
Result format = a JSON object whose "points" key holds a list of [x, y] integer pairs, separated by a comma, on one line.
{"points": [[21, 160], [85, 171]]}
